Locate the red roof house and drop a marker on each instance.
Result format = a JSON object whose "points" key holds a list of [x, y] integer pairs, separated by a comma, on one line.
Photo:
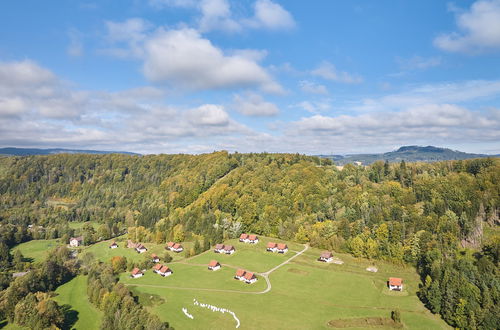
{"points": [[229, 249], [219, 248], [250, 278], [326, 256], [253, 239], [214, 265], [272, 247], [136, 272], [395, 283], [282, 248], [240, 275]]}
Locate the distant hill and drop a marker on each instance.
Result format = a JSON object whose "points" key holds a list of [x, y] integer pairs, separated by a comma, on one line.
{"points": [[37, 151], [408, 154]]}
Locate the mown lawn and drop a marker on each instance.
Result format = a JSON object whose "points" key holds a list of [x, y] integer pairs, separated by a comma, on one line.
{"points": [[37, 250], [74, 294], [305, 293]]}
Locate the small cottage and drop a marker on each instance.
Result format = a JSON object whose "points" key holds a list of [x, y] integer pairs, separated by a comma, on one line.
{"points": [[219, 248], [326, 256], [140, 248], [113, 245], [282, 248], [177, 248], [272, 247], [165, 271], [395, 284], [155, 258], [214, 265], [229, 249], [169, 245], [250, 278], [157, 268], [240, 275], [244, 238], [253, 239], [76, 241], [136, 273]]}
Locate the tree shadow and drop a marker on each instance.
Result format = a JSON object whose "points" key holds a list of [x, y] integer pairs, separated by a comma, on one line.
{"points": [[70, 317], [3, 323]]}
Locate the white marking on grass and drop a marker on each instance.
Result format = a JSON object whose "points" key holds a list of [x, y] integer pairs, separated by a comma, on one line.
{"points": [[187, 314], [217, 309]]}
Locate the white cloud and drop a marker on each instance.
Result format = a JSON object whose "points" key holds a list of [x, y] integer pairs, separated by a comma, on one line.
{"points": [[271, 15], [312, 87], [314, 106], [216, 15], [75, 47], [479, 29], [24, 73], [183, 57], [209, 115], [126, 38], [253, 104], [418, 62], [172, 3], [327, 70]]}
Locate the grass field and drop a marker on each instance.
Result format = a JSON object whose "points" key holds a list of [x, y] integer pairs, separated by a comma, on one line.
{"points": [[37, 250], [102, 251], [305, 293], [74, 294]]}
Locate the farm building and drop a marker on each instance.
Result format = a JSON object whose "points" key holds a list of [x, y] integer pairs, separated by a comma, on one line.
{"points": [[155, 258], [244, 238], [76, 241], [272, 247], [177, 248], [165, 271], [240, 275], [140, 248], [253, 239], [136, 272], [113, 245], [169, 245], [229, 249], [326, 256], [282, 248], [214, 265], [219, 248], [395, 284], [250, 278], [157, 268]]}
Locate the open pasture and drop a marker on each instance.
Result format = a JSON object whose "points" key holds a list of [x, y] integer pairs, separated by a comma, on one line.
{"points": [[37, 250]]}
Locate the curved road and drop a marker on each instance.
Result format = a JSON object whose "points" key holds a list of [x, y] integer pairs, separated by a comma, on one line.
{"points": [[264, 275]]}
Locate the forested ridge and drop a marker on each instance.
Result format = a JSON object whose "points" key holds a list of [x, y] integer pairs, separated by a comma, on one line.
{"points": [[440, 217]]}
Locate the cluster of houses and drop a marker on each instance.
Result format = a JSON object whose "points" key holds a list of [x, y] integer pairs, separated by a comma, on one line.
{"points": [[277, 247], [139, 247], [162, 270], [227, 249], [247, 277], [246, 238], [174, 247]]}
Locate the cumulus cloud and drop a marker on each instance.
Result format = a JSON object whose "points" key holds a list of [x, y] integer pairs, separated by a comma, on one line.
{"points": [[209, 115], [418, 62], [185, 58], [271, 15], [126, 38], [479, 29], [328, 71], [253, 104], [312, 87], [216, 15]]}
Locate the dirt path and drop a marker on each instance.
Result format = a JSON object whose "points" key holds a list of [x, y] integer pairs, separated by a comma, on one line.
{"points": [[264, 275]]}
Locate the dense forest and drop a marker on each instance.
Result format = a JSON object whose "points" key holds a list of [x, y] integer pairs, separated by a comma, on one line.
{"points": [[440, 217]]}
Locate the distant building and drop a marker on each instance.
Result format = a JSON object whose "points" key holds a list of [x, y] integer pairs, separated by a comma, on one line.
{"points": [[140, 248], [253, 239], [244, 238], [165, 271], [272, 247], [169, 245], [155, 258], [240, 275], [395, 283], [76, 241], [229, 249], [177, 248], [250, 278], [214, 265], [136, 273], [326, 256], [219, 248], [282, 248], [157, 268], [113, 245]]}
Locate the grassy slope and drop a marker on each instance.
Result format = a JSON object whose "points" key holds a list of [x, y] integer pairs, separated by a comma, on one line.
{"points": [[36, 249], [314, 291], [74, 293]]}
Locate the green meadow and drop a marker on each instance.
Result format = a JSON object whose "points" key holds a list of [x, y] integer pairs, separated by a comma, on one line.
{"points": [[82, 314], [37, 249], [305, 293]]}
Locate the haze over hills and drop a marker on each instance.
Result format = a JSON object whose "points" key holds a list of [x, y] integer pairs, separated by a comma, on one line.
{"points": [[10, 151], [408, 154]]}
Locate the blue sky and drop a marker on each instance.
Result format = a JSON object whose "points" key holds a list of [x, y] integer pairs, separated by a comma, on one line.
{"points": [[316, 77]]}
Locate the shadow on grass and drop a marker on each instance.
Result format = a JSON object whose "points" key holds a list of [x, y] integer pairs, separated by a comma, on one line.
{"points": [[70, 317], [3, 323]]}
